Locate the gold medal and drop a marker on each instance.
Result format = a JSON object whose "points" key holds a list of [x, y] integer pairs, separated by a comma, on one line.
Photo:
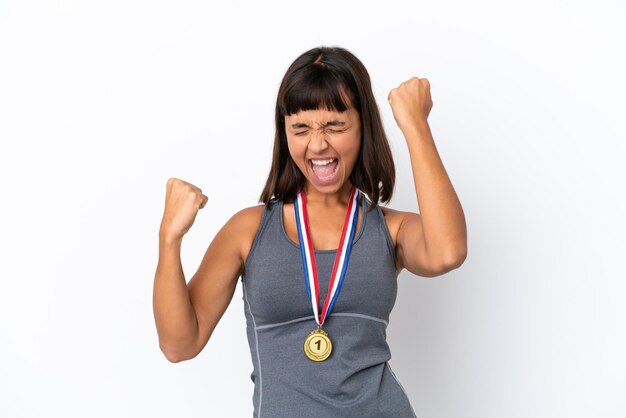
{"points": [[317, 345]]}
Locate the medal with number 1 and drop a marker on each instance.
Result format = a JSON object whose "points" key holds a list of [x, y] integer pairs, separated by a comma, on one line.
{"points": [[317, 345]]}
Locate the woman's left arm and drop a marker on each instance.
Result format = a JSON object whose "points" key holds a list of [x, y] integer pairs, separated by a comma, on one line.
{"points": [[434, 241]]}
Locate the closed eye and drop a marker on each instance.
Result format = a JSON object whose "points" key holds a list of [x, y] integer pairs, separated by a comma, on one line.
{"points": [[335, 131]]}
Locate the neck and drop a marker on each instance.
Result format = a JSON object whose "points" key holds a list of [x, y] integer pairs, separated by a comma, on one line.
{"points": [[338, 198]]}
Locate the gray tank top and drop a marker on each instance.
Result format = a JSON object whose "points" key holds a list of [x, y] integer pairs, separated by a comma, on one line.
{"points": [[356, 380]]}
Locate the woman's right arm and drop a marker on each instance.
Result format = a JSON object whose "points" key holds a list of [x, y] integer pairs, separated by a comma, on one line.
{"points": [[186, 314]]}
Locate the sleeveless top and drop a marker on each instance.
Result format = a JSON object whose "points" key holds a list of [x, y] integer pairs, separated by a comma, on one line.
{"points": [[356, 380]]}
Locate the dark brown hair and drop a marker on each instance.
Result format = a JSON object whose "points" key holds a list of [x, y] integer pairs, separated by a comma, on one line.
{"points": [[324, 78]]}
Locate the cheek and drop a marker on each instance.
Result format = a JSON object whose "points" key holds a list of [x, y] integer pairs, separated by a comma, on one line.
{"points": [[292, 148], [351, 149], [296, 152]]}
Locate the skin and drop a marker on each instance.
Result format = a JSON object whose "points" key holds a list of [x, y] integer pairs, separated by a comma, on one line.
{"points": [[428, 244], [322, 134]]}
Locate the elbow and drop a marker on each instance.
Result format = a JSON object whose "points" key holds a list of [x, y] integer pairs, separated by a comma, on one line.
{"points": [[174, 355], [455, 259], [451, 261]]}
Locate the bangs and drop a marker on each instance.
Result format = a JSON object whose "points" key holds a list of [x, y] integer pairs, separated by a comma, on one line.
{"points": [[317, 87], [330, 79]]}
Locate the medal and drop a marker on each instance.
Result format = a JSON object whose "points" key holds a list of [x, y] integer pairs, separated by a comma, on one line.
{"points": [[317, 345]]}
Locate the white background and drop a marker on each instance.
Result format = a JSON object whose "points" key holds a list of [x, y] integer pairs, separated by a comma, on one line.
{"points": [[102, 102]]}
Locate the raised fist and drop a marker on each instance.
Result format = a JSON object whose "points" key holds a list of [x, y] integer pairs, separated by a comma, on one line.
{"points": [[411, 102], [182, 202]]}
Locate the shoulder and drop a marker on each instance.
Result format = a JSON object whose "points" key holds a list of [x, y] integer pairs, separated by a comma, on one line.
{"points": [[394, 220], [243, 227], [247, 220], [249, 214]]}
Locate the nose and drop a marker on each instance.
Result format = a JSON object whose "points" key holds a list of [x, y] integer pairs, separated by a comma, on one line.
{"points": [[318, 142]]}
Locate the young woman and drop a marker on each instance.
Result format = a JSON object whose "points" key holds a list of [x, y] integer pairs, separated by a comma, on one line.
{"points": [[320, 258]]}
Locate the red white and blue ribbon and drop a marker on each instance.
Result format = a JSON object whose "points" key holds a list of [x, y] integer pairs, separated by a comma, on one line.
{"points": [[341, 258]]}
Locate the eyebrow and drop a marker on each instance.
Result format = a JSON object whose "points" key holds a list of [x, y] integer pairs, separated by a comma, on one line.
{"points": [[329, 123]]}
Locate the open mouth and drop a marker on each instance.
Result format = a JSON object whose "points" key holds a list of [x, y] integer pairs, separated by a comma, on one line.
{"points": [[324, 170]]}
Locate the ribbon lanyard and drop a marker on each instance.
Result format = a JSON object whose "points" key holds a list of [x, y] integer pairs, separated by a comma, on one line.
{"points": [[341, 259]]}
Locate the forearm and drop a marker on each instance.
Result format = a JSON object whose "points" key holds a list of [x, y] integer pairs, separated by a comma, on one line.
{"points": [[175, 318], [442, 216]]}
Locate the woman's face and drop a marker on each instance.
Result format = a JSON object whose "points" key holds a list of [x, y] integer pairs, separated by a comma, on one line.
{"points": [[324, 145]]}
